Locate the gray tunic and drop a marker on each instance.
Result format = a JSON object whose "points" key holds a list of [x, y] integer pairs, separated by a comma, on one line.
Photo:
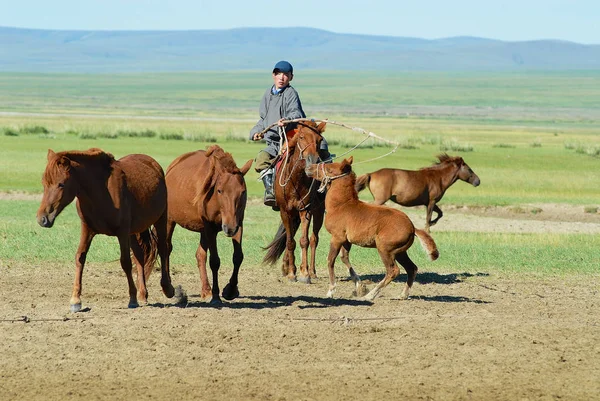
{"points": [[285, 104]]}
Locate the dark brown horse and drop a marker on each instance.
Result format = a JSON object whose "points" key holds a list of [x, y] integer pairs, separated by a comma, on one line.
{"points": [[121, 198], [207, 194], [299, 203], [351, 221], [421, 187]]}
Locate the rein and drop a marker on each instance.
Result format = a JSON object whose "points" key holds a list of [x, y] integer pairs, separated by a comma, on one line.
{"points": [[283, 135]]}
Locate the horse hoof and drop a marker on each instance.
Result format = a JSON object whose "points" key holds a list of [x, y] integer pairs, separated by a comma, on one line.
{"points": [[305, 280], [216, 301], [75, 308], [133, 305], [169, 291], [230, 292]]}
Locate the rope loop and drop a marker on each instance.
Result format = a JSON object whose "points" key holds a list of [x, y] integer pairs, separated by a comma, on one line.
{"points": [[368, 135]]}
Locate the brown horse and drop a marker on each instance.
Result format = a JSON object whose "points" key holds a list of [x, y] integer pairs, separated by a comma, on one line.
{"points": [[299, 203], [121, 198], [421, 187], [351, 221], [207, 194]]}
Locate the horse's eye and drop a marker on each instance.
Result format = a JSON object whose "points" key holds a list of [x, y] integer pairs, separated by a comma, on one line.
{"points": [[219, 191], [61, 185]]}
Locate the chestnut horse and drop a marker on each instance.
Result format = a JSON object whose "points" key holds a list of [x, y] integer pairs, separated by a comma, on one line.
{"points": [[351, 221], [207, 194], [299, 203], [121, 198], [421, 187]]}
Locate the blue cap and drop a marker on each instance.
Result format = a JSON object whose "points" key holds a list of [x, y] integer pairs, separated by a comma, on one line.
{"points": [[283, 66]]}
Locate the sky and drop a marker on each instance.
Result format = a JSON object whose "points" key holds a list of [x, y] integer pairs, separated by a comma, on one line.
{"points": [[508, 20]]}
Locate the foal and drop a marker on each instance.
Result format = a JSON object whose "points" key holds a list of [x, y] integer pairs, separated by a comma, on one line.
{"points": [[351, 221], [421, 187]]}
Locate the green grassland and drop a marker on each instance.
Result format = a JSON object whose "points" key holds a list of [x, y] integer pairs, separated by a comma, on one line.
{"points": [[531, 138]]}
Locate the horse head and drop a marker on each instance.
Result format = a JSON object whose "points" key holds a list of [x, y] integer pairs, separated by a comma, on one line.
{"points": [[228, 189], [464, 171], [60, 187], [327, 172], [307, 140], [466, 174]]}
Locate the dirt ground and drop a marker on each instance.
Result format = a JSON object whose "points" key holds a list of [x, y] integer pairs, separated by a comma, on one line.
{"points": [[459, 337]]}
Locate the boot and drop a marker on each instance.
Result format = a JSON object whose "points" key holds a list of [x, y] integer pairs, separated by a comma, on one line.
{"points": [[267, 180]]}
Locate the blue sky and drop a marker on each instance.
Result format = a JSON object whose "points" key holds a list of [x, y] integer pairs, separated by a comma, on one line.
{"points": [[430, 19]]}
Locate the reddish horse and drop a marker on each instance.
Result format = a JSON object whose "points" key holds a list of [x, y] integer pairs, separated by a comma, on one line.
{"points": [[351, 221], [121, 198], [299, 203], [421, 187], [207, 194]]}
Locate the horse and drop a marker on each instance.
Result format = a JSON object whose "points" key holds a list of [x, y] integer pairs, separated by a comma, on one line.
{"points": [[421, 187], [298, 202], [207, 194], [351, 221], [122, 198]]}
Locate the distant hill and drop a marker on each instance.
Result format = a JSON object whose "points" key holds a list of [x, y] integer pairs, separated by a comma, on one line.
{"points": [[32, 50]]}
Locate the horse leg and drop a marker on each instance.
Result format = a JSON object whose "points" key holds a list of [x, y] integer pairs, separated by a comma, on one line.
{"points": [[125, 246], [317, 218], [411, 271], [391, 272], [85, 240], [165, 246], [439, 214], [334, 250], [289, 260], [305, 218], [201, 256], [231, 289], [430, 206], [215, 264], [139, 258], [360, 289]]}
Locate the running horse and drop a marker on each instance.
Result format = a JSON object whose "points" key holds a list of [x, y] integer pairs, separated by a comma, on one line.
{"points": [[299, 202], [351, 221], [421, 187], [207, 194], [122, 198]]}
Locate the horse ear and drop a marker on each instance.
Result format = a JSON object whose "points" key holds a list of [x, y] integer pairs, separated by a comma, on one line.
{"points": [[51, 154], [321, 127], [244, 169], [350, 159]]}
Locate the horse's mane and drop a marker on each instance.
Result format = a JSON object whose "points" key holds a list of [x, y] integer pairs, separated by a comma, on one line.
{"points": [[444, 159], [92, 154], [224, 159], [220, 162]]}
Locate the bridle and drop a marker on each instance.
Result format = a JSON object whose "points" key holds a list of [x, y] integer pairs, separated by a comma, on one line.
{"points": [[326, 180]]}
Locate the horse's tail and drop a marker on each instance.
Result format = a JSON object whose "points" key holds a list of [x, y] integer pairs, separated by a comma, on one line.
{"points": [[148, 243], [362, 182], [427, 243], [276, 248]]}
